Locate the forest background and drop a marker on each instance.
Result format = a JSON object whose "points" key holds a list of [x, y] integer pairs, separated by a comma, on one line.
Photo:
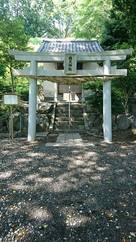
{"points": [[23, 24]]}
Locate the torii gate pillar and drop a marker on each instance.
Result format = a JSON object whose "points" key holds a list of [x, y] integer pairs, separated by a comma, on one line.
{"points": [[32, 105], [107, 114]]}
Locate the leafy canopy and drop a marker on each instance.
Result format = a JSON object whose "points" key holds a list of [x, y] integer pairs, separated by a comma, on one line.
{"points": [[91, 16]]}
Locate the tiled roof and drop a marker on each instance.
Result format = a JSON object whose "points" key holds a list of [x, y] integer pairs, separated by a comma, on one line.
{"points": [[65, 46]]}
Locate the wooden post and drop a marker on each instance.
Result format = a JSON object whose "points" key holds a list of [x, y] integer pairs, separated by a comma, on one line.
{"points": [[107, 116], [11, 130], [82, 95], [55, 92], [69, 104], [32, 104]]}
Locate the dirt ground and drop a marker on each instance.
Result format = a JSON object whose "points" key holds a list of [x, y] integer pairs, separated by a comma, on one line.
{"points": [[70, 194]]}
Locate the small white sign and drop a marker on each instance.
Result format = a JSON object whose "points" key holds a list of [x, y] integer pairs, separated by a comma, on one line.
{"points": [[70, 64], [10, 99]]}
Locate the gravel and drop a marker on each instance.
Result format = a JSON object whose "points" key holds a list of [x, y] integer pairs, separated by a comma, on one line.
{"points": [[70, 194]]}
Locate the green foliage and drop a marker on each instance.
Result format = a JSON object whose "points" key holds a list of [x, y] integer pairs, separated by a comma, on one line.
{"points": [[64, 16], [126, 10], [4, 112], [96, 94], [125, 87], [22, 89], [12, 36], [35, 41], [38, 16], [4, 88], [120, 27], [121, 34], [91, 16], [2, 70]]}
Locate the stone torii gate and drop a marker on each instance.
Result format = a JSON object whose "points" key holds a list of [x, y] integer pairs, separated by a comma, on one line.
{"points": [[38, 70]]}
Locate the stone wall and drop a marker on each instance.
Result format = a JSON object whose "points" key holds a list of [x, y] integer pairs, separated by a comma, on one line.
{"points": [[20, 120]]}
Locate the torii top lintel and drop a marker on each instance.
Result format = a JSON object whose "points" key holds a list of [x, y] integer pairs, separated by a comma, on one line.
{"points": [[70, 52]]}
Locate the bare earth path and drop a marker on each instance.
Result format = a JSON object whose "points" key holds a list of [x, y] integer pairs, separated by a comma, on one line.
{"points": [[68, 193]]}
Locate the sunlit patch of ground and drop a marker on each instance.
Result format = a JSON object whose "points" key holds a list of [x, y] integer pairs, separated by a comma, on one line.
{"points": [[70, 194]]}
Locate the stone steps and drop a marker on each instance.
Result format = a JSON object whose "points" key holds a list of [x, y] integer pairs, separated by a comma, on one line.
{"points": [[62, 118], [72, 123], [66, 126], [65, 118], [64, 110], [73, 130]]}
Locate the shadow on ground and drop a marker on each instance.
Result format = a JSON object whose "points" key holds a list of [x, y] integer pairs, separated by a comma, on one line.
{"points": [[68, 194]]}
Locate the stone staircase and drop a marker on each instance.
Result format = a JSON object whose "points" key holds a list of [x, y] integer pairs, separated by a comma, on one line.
{"points": [[62, 118]]}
